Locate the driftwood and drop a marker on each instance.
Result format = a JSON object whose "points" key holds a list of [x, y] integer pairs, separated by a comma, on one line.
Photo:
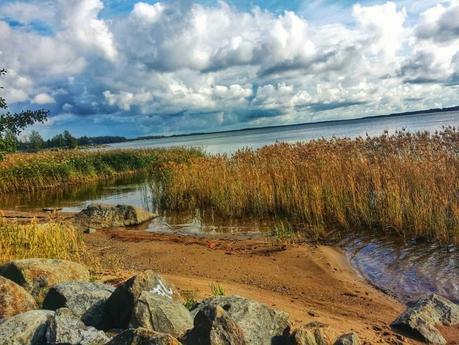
{"points": [[230, 246]]}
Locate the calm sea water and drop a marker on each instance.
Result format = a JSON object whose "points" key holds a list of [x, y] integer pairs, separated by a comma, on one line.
{"points": [[231, 141]]}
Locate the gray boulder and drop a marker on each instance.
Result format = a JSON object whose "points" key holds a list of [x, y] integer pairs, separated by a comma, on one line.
{"points": [[313, 333], [260, 324], [348, 339], [66, 329], [161, 314], [213, 326], [28, 328], [420, 319], [106, 216], [120, 304], [14, 299], [37, 275], [86, 300], [141, 336]]}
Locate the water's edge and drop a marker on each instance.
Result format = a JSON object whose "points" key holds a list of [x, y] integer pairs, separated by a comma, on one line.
{"points": [[404, 270]]}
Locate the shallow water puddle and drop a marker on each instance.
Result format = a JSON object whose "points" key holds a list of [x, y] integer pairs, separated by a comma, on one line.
{"points": [[405, 270]]}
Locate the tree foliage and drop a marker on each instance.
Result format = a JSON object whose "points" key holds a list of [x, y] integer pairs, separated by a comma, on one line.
{"points": [[12, 124]]}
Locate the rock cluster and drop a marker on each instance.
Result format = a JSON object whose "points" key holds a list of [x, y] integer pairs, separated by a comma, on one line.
{"points": [[109, 216], [147, 310]]}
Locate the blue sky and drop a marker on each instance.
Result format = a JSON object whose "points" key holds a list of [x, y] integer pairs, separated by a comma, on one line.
{"points": [[117, 7], [150, 67]]}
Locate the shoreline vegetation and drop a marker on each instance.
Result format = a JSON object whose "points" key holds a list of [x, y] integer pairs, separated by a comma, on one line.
{"points": [[404, 184], [27, 172]]}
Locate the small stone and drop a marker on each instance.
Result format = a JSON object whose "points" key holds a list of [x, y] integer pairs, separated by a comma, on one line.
{"points": [[90, 231], [429, 311], [27, 328], [14, 299], [260, 324], [141, 336], [85, 299], [213, 326], [314, 333], [348, 339], [377, 328], [161, 314], [66, 329]]}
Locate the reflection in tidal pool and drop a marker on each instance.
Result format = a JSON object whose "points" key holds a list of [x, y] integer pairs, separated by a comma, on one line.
{"points": [[403, 269]]}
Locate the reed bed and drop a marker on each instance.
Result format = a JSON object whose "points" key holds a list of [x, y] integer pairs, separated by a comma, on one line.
{"points": [[45, 169], [402, 183], [33, 240]]}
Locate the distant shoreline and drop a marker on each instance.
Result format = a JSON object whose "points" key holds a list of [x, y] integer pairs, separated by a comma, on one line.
{"points": [[418, 112]]}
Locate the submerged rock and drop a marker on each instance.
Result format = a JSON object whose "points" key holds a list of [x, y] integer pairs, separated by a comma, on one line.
{"points": [[313, 333], [141, 336], [161, 314], [260, 324], [37, 275], [28, 328], [106, 216], [14, 299], [120, 305], [66, 329], [348, 339], [420, 319], [213, 326], [85, 299]]}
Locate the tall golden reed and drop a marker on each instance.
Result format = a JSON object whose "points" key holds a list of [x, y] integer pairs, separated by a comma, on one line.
{"points": [[402, 183]]}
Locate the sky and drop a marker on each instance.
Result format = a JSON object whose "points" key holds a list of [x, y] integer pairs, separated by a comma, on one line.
{"points": [[137, 68]]}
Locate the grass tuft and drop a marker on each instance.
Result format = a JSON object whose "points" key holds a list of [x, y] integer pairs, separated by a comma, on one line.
{"points": [[217, 289], [49, 240]]}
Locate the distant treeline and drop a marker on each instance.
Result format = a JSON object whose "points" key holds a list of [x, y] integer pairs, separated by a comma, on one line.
{"points": [[35, 142]]}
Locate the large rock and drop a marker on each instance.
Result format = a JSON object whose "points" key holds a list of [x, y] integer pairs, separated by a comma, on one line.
{"points": [[213, 326], [107, 216], [161, 314], [260, 324], [28, 328], [311, 334], [85, 299], [120, 304], [429, 311], [14, 299], [142, 336], [348, 339], [37, 275], [66, 329]]}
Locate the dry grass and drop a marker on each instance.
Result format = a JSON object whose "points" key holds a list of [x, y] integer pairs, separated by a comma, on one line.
{"points": [[34, 240], [403, 183], [45, 169]]}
